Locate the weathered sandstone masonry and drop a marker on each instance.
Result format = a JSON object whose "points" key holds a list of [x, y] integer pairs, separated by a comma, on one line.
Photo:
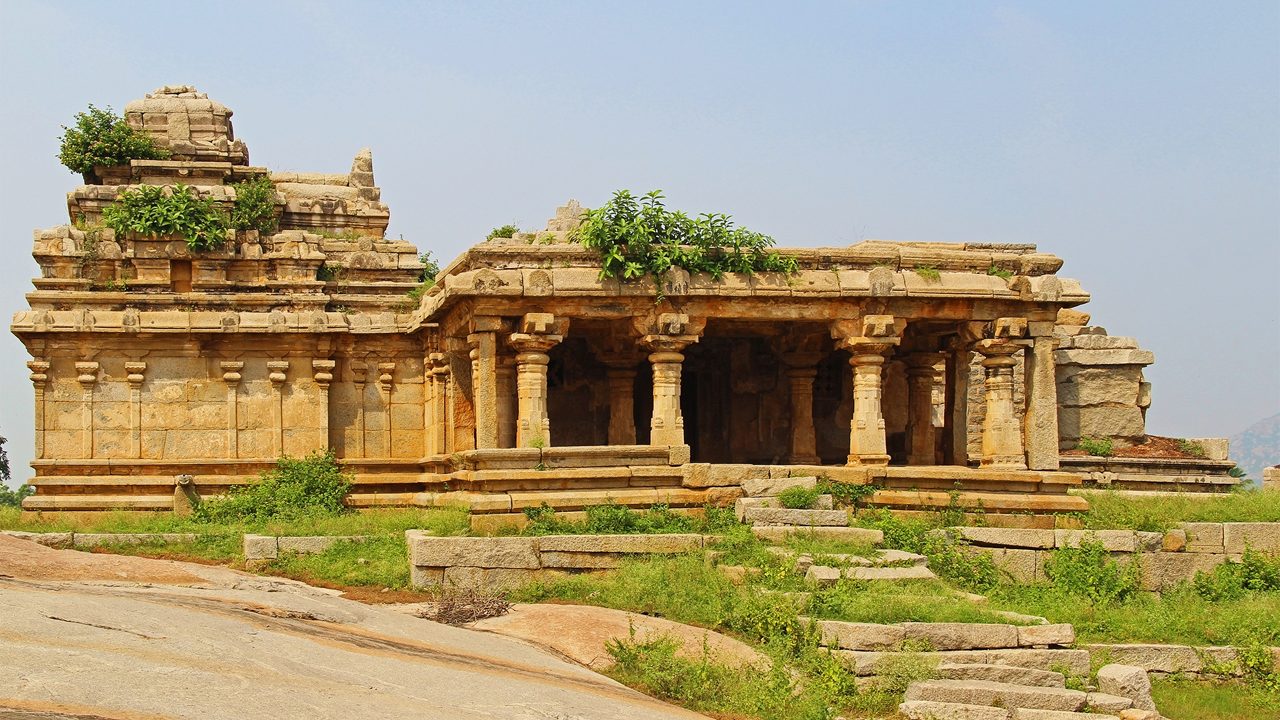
{"points": [[1165, 559], [522, 376]]}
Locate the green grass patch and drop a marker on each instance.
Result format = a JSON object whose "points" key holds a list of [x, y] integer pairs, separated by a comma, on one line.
{"points": [[1180, 699], [798, 498], [614, 519], [441, 521], [381, 562], [921, 601], [1111, 510]]}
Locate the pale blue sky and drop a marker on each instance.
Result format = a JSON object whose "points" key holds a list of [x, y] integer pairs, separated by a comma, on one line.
{"points": [[1138, 140]]}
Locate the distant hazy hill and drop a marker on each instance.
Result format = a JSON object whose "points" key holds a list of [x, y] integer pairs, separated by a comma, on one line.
{"points": [[1258, 447]]}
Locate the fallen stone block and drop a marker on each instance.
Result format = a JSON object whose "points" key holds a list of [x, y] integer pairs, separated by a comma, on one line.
{"points": [[1033, 714], [1112, 540], [1174, 541], [53, 539], [846, 534], [1000, 673], [1261, 536], [1127, 681], [930, 710], [636, 544], [1103, 702], [859, 636], [900, 557], [1075, 662], [822, 575], [96, 539], [260, 547], [1056, 634], [476, 552], [803, 518], [1204, 537], [1153, 658], [963, 636], [1165, 571], [314, 544], [1006, 695], [914, 572], [1008, 537], [764, 487]]}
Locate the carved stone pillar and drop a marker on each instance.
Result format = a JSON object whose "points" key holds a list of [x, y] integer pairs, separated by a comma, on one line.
{"points": [[39, 378], [1001, 435], [277, 373], [921, 376], [955, 443], [665, 339], [439, 398], [483, 342], [134, 375], [622, 420], [539, 332], [87, 376], [867, 341], [804, 440], [322, 375], [506, 383], [231, 376], [1041, 417]]}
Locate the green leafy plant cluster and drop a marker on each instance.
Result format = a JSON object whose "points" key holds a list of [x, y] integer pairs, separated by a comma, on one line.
{"points": [[1099, 447], [159, 211], [296, 487], [798, 498], [426, 279], [1255, 572], [1192, 448], [999, 272], [101, 137], [1089, 571], [255, 205], [845, 494], [638, 237], [502, 231], [928, 273]]}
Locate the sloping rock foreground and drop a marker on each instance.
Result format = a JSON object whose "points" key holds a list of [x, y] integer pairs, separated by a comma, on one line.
{"points": [[114, 637], [582, 633]]}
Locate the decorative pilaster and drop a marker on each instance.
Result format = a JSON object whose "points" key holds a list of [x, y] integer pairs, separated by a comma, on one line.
{"points": [[359, 377], [921, 377], [800, 353], [665, 339], [87, 376], [277, 373], [231, 376], [483, 342], [1001, 436], [506, 384], [39, 379], [386, 377], [622, 412], [322, 375], [1041, 417], [867, 341], [539, 332], [134, 375], [437, 438]]}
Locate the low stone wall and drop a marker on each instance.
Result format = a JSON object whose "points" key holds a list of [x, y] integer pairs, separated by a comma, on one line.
{"points": [[269, 547], [1167, 559], [1171, 659], [494, 562], [75, 539], [840, 635]]}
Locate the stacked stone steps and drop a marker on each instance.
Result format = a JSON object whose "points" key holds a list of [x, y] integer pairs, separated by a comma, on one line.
{"points": [[1003, 695]]}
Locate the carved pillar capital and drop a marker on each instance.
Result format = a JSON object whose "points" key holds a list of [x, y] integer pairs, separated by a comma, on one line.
{"points": [[87, 374], [277, 372], [322, 372], [39, 372], [386, 373], [135, 373]]}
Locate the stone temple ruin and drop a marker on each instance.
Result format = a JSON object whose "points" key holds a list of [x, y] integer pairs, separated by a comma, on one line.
{"points": [[521, 377]]}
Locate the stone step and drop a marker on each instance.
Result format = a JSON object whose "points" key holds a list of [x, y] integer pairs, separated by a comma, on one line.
{"points": [[843, 534], [1001, 673], [801, 518], [1033, 714], [1103, 702], [1076, 662], [770, 487], [882, 558], [990, 502], [931, 710], [742, 504], [823, 575], [997, 694]]}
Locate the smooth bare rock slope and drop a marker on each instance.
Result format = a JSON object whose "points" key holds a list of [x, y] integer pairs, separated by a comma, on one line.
{"points": [[118, 637]]}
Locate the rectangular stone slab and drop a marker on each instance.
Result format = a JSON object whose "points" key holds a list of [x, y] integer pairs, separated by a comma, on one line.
{"points": [[478, 552]]}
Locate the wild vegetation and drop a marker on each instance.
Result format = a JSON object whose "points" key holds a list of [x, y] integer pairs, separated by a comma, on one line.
{"points": [[100, 137], [639, 237], [161, 211]]}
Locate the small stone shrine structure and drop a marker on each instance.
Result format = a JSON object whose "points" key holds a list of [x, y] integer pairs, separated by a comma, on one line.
{"points": [[521, 377]]}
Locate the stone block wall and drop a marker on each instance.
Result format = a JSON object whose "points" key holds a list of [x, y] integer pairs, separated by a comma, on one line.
{"points": [[1101, 389], [496, 562], [1166, 559]]}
